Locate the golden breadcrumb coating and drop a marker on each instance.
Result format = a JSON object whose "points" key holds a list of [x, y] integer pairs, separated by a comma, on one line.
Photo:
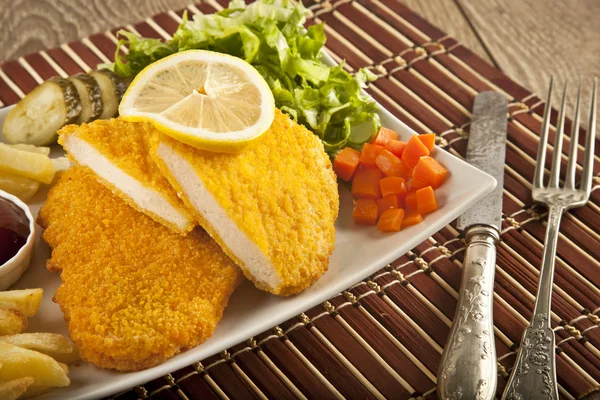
{"points": [[133, 292], [126, 145], [282, 193]]}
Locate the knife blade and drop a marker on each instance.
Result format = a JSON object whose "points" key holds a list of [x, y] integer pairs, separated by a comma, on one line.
{"points": [[468, 366], [486, 150]]}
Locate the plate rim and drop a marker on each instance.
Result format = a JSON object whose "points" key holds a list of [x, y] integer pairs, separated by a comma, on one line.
{"points": [[188, 357]]}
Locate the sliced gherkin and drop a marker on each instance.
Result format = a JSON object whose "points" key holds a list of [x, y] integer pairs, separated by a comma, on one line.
{"points": [[39, 115], [113, 87], [120, 84], [91, 98]]}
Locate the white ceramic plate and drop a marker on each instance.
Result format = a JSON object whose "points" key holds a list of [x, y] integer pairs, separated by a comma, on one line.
{"points": [[359, 252]]}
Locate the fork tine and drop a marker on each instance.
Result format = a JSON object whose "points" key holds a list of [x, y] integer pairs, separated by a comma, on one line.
{"points": [[560, 127], [588, 163], [538, 179], [570, 180]]}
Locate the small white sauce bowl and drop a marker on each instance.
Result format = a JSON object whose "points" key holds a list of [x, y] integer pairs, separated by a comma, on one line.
{"points": [[12, 270]]}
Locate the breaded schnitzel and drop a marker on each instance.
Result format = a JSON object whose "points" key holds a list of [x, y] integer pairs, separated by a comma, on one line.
{"points": [[272, 208], [118, 152], [134, 293]]}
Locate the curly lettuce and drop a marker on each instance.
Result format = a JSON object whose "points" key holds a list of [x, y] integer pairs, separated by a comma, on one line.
{"points": [[270, 35]]}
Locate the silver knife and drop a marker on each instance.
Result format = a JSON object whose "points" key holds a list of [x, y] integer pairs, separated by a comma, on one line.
{"points": [[468, 366]]}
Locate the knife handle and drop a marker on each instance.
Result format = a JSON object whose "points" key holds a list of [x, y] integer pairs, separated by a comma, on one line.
{"points": [[468, 367]]}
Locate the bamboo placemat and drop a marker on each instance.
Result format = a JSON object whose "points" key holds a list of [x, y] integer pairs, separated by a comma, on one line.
{"points": [[383, 337]]}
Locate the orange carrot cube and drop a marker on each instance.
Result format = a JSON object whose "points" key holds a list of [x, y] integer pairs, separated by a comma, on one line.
{"points": [[387, 202], [369, 154], [391, 220], [428, 172], [388, 163], [383, 136], [428, 140], [393, 185], [426, 201], [396, 147], [366, 183], [391, 165], [410, 201], [365, 211], [345, 163], [411, 217], [415, 149]]}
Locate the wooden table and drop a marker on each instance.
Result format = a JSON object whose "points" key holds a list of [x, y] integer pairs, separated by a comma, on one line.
{"points": [[527, 40], [386, 333]]}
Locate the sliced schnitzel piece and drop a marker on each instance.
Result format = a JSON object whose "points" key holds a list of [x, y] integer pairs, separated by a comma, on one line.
{"points": [[272, 208], [118, 152], [134, 293]]}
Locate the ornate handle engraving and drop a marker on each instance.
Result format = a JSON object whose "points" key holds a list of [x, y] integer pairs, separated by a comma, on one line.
{"points": [[535, 370], [468, 366], [534, 373]]}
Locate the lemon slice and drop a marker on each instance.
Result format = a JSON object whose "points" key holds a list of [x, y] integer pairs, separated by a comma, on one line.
{"points": [[209, 100]]}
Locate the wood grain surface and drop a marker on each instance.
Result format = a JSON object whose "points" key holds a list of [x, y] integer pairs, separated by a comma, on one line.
{"points": [[529, 41], [533, 40]]}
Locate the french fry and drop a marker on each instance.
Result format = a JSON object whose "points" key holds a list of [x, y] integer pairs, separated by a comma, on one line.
{"points": [[25, 163], [34, 392], [54, 345], [61, 164], [23, 188], [12, 321], [31, 148], [13, 389], [19, 363], [27, 300]]}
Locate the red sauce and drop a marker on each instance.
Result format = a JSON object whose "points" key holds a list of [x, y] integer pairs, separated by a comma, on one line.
{"points": [[14, 229]]}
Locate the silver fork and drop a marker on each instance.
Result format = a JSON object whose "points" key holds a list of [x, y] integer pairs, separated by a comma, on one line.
{"points": [[534, 373]]}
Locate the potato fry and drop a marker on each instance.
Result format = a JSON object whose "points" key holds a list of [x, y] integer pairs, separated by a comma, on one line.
{"points": [[23, 188], [61, 164], [54, 345], [25, 163], [13, 389], [31, 148], [35, 392], [12, 321], [27, 300], [19, 362]]}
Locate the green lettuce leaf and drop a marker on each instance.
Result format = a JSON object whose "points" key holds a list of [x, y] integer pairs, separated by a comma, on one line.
{"points": [[270, 35]]}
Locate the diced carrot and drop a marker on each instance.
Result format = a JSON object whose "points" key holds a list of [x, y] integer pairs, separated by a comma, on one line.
{"points": [[387, 163], [391, 165], [366, 183], [383, 136], [411, 217], [428, 140], [396, 147], [365, 211], [414, 150], [428, 172], [404, 170], [369, 154], [391, 220], [410, 201], [345, 163], [387, 202], [393, 185], [426, 201]]}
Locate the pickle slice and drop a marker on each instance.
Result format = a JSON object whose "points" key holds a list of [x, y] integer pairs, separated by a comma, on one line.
{"points": [[39, 115], [91, 98]]}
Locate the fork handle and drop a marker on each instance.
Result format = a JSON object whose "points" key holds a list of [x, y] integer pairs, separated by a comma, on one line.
{"points": [[534, 373], [468, 367]]}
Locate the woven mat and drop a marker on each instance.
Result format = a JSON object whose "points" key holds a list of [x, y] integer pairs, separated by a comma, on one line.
{"points": [[384, 336]]}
